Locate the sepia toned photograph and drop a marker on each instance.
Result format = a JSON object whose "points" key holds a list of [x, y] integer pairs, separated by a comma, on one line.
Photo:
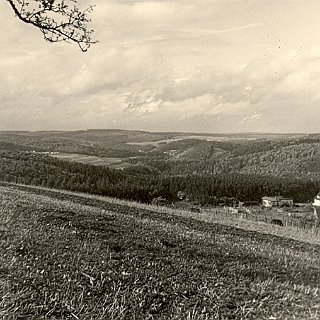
{"points": [[159, 160]]}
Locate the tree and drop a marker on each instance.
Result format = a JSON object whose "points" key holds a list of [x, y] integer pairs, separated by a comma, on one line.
{"points": [[58, 20]]}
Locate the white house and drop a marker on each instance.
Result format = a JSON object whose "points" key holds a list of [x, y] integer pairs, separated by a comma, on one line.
{"points": [[277, 201]]}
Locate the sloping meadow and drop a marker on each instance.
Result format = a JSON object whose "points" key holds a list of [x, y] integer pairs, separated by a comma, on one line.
{"points": [[62, 257]]}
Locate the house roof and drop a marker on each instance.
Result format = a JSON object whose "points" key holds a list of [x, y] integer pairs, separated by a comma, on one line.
{"points": [[270, 198], [277, 198]]}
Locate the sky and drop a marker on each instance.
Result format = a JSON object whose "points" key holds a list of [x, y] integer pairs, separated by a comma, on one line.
{"points": [[176, 65]]}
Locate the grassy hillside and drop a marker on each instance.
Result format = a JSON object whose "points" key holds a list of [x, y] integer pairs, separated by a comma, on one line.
{"points": [[65, 256]]}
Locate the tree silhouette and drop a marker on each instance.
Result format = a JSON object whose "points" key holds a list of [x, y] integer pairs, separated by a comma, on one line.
{"points": [[58, 20]]}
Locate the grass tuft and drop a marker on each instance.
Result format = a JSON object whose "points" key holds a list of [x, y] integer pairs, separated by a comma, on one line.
{"points": [[68, 256]]}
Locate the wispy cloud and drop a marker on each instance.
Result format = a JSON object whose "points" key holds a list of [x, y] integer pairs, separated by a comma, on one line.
{"points": [[227, 30]]}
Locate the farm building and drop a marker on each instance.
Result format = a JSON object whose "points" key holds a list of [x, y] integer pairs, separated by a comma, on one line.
{"points": [[277, 201]]}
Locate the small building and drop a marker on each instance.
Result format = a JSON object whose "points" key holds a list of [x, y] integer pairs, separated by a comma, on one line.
{"points": [[276, 201]]}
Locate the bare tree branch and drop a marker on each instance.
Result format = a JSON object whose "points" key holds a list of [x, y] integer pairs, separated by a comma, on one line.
{"points": [[58, 20]]}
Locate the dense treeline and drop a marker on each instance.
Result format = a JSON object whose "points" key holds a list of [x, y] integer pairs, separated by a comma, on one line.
{"points": [[223, 187], [300, 160], [38, 169]]}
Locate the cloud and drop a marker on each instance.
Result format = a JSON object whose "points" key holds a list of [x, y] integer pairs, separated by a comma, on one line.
{"points": [[166, 65], [114, 69], [233, 29], [270, 93]]}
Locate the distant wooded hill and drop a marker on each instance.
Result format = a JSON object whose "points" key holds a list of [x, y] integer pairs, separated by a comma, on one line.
{"points": [[207, 167], [295, 159]]}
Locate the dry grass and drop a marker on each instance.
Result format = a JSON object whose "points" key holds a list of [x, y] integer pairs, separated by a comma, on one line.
{"points": [[217, 215], [65, 256]]}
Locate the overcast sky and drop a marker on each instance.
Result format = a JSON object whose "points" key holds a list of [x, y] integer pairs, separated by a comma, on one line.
{"points": [[176, 65]]}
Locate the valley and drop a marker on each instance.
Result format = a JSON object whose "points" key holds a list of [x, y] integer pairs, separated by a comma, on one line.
{"points": [[116, 224], [139, 165]]}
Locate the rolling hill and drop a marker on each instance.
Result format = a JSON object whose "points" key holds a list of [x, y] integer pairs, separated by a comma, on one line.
{"points": [[74, 256], [295, 155], [139, 165]]}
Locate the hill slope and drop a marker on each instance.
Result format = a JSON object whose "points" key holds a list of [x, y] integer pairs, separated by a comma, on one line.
{"points": [[295, 159], [70, 257], [294, 156]]}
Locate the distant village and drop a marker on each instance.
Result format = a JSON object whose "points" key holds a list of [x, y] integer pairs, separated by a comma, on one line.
{"points": [[280, 205], [280, 202], [277, 204]]}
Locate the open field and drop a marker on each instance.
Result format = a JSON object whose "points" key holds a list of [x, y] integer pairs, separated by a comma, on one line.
{"points": [[114, 163], [209, 137], [68, 256]]}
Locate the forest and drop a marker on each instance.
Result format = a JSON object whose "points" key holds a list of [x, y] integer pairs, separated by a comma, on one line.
{"points": [[27, 167]]}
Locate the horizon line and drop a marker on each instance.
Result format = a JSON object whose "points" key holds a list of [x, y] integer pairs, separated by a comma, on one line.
{"points": [[161, 131]]}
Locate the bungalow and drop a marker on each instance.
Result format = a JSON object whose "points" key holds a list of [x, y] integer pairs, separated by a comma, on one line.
{"points": [[277, 201]]}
